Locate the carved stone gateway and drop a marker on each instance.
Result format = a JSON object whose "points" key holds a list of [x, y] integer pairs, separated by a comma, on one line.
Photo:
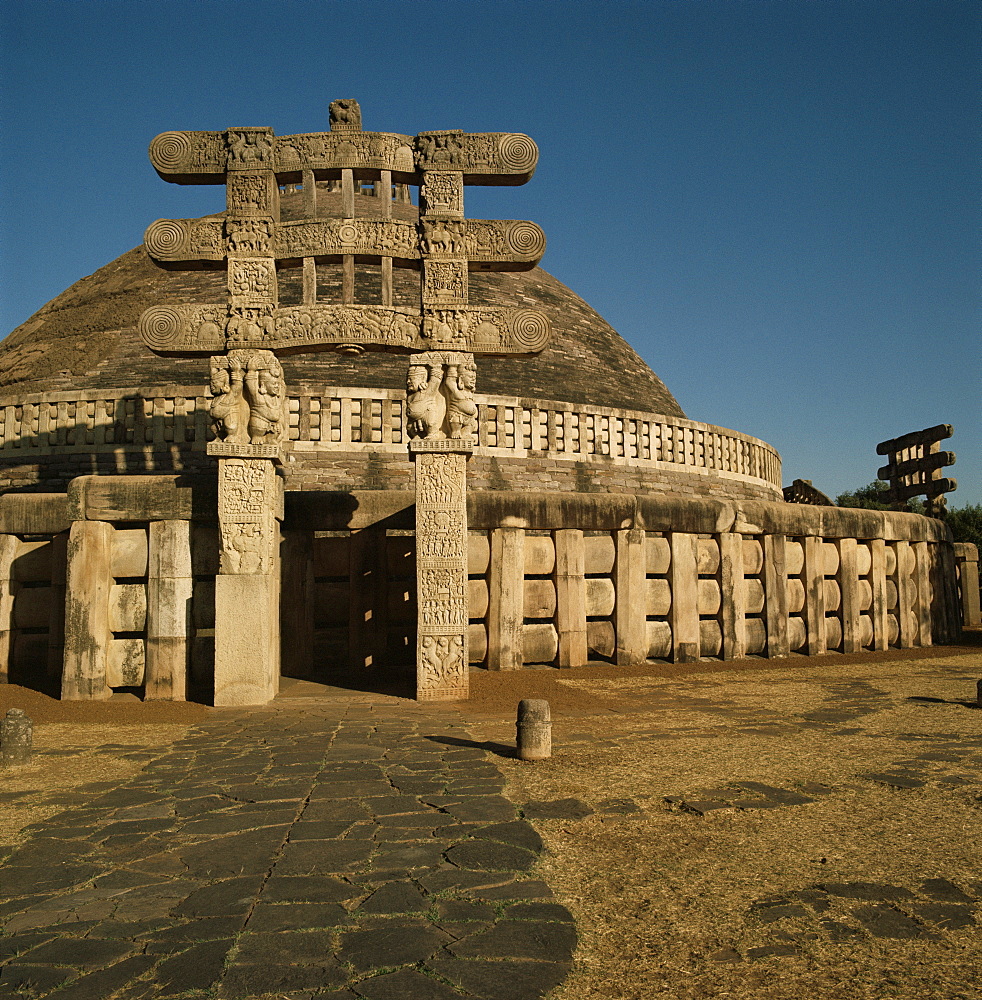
{"points": [[242, 334]]}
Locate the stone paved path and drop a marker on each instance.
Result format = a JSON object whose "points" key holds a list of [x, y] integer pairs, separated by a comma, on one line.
{"points": [[333, 851]]}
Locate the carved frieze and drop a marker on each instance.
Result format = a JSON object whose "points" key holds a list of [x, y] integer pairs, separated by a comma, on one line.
{"points": [[442, 193], [249, 505], [485, 243], [477, 155], [175, 154], [250, 193], [480, 153], [184, 328], [336, 237], [444, 282], [205, 329], [251, 280]]}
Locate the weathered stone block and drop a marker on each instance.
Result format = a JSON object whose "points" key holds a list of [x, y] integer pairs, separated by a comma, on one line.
{"points": [[599, 597], [34, 513], [87, 632], [128, 607], [130, 552], [540, 643], [478, 553], [598, 554], [126, 663], [477, 598]]}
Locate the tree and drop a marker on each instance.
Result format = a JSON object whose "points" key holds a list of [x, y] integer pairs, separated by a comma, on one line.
{"points": [[871, 498], [966, 523], [867, 497]]}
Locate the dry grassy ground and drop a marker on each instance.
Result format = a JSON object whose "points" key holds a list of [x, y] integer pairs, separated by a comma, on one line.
{"points": [[664, 898], [667, 901]]}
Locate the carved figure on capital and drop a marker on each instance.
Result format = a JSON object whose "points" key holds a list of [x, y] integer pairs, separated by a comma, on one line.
{"points": [[250, 148], [425, 407], [459, 384], [266, 394], [250, 397], [229, 408], [345, 114]]}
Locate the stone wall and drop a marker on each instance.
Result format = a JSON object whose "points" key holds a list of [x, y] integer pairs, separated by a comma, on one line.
{"points": [[553, 579], [356, 439]]}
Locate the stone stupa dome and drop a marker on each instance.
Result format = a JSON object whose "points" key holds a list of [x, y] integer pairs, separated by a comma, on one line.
{"points": [[87, 338], [84, 394]]}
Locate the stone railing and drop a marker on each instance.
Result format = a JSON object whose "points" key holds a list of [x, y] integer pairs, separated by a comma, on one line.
{"points": [[551, 581], [351, 419]]}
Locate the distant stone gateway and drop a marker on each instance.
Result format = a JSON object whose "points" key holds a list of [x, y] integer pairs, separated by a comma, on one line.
{"points": [[341, 430]]}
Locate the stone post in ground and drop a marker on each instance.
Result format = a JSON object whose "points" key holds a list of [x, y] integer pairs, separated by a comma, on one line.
{"points": [[967, 559], [684, 612], [506, 599], [169, 588], [533, 729], [87, 633], [442, 417], [8, 589], [630, 617], [250, 510], [16, 735]]}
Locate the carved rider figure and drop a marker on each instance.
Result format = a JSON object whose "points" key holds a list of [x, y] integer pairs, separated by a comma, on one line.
{"points": [[425, 406], [229, 409], [265, 388], [461, 409]]}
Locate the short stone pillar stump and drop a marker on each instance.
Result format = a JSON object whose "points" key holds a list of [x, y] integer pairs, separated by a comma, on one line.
{"points": [[534, 729], [16, 738]]}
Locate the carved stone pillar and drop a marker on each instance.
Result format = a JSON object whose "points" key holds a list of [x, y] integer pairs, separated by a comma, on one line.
{"points": [[247, 588], [441, 568]]}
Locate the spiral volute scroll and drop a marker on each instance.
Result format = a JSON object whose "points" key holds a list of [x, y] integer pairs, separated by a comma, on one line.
{"points": [[526, 239], [517, 153], [162, 328], [170, 151], [166, 238], [530, 329]]}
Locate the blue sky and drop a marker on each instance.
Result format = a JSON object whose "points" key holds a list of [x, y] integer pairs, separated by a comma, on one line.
{"points": [[775, 201]]}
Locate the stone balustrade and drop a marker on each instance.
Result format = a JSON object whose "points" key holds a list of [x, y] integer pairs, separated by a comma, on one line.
{"points": [[176, 419], [552, 579]]}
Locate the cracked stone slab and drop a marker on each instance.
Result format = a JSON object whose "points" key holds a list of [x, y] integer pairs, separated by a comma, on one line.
{"points": [[301, 867]]}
